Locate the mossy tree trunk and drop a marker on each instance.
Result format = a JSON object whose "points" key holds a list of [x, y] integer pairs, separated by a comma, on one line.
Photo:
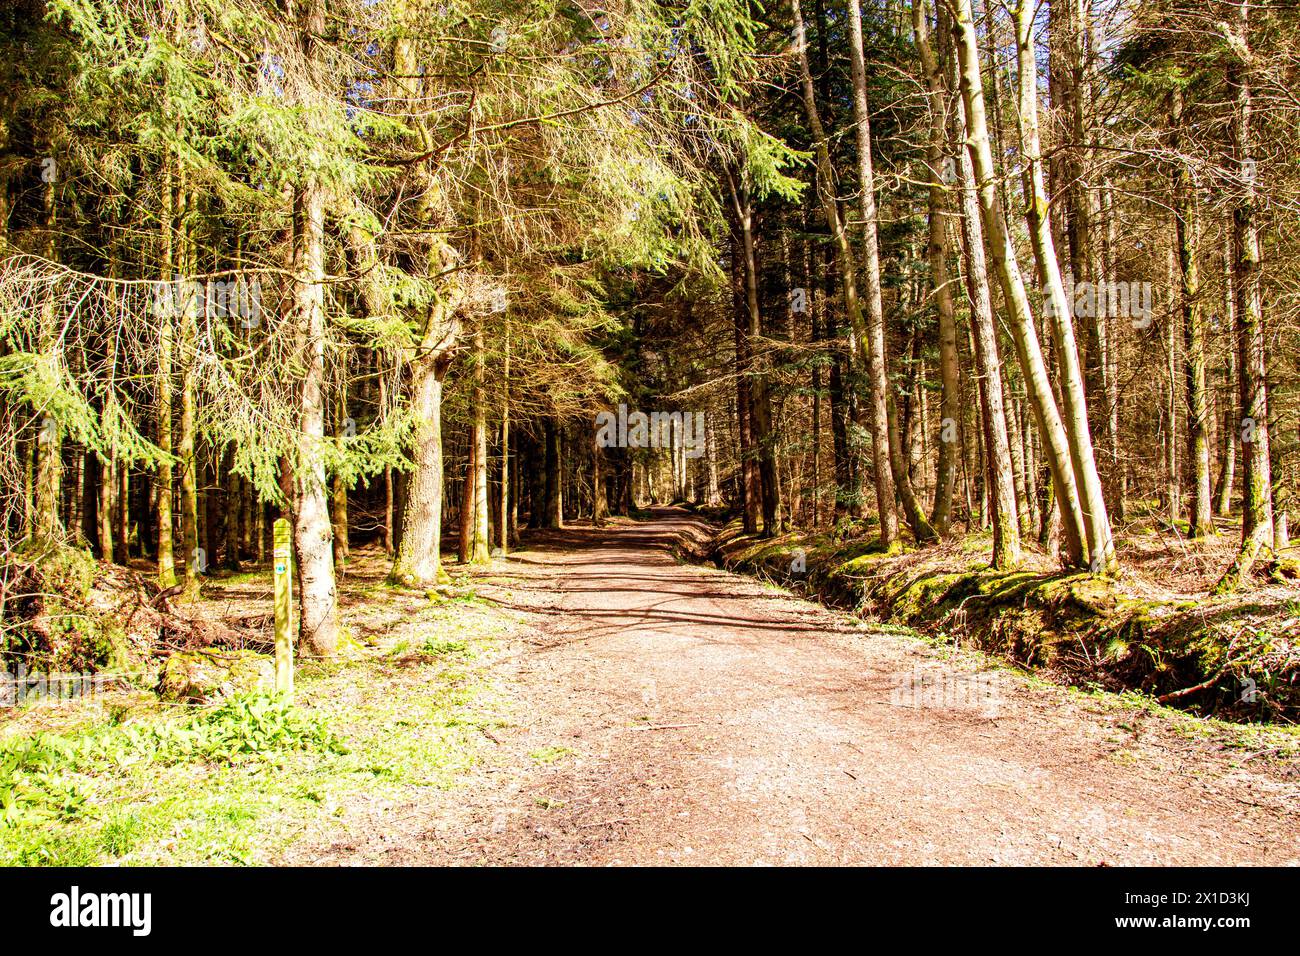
{"points": [[1006, 267], [1074, 407], [1198, 409], [1257, 481], [1001, 494]]}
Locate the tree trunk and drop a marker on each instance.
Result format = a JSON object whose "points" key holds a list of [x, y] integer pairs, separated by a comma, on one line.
{"points": [[313, 532], [598, 504], [506, 526], [712, 494], [339, 487], [390, 511], [750, 490], [481, 550], [1002, 491], [247, 504], [418, 549], [764, 475], [106, 506], [1256, 479], [888, 453], [234, 507], [554, 507], [49, 439], [1173, 488], [1117, 471], [1228, 457], [1020, 464], [166, 319], [1020, 319], [188, 344], [937, 252], [1096, 524], [869, 354], [465, 520]]}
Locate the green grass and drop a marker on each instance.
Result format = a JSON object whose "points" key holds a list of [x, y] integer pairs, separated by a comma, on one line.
{"points": [[438, 647], [231, 579], [139, 783], [1279, 739], [100, 794], [550, 754], [465, 597]]}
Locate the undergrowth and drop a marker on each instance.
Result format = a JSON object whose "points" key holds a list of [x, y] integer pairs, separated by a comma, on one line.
{"points": [[39, 774], [1231, 659], [255, 780]]}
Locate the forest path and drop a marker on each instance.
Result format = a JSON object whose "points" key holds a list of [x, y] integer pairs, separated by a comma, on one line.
{"points": [[664, 713]]}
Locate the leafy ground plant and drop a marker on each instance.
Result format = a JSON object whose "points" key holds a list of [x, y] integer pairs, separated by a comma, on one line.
{"points": [[49, 779], [130, 781]]}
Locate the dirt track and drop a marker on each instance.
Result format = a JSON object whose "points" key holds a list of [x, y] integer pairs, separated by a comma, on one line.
{"points": [[667, 713]]}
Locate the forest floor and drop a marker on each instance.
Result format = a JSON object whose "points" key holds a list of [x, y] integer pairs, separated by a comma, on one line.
{"points": [[659, 712], [126, 779], [596, 699]]}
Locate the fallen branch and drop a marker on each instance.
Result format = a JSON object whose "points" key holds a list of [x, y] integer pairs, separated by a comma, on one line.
{"points": [[664, 726], [1196, 688]]}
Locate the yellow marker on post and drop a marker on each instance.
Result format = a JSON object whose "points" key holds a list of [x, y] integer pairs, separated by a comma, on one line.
{"points": [[283, 564]]}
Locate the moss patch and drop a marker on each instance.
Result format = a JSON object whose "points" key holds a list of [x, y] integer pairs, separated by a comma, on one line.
{"points": [[1079, 628]]}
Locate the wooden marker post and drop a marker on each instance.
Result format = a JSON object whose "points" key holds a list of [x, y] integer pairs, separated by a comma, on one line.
{"points": [[283, 565]]}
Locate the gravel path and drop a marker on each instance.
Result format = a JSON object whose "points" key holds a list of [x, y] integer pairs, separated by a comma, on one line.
{"points": [[664, 713]]}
